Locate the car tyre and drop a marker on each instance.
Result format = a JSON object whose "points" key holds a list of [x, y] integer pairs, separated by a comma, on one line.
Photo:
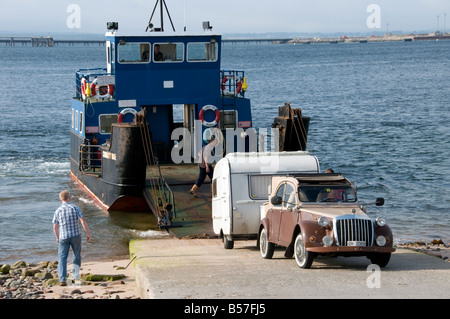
{"points": [[381, 259], [265, 246], [303, 257]]}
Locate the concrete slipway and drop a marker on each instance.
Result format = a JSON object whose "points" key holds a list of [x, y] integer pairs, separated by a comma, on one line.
{"points": [[184, 266]]}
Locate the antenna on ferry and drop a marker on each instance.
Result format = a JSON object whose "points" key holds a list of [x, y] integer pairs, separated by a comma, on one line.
{"points": [[161, 13], [185, 16]]}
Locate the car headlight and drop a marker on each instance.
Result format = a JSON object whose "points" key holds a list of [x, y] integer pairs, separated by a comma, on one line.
{"points": [[323, 221], [327, 240], [380, 221], [381, 240]]}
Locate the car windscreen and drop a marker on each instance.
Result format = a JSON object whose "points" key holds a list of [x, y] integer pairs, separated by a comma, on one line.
{"points": [[326, 193]]}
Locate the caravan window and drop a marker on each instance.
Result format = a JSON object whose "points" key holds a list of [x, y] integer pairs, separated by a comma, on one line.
{"points": [[259, 186], [214, 188]]}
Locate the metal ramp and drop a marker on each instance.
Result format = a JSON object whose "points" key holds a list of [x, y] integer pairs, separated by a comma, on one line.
{"points": [[191, 215], [167, 193], [157, 192]]}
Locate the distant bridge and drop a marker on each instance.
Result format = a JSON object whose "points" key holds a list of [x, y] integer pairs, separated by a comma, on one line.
{"points": [[50, 42], [45, 41]]}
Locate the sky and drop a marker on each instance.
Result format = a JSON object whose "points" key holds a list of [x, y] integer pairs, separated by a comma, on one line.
{"points": [[47, 17]]}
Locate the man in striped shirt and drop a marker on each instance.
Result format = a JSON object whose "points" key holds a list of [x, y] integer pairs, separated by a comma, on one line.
{"points": [[67, 232]]}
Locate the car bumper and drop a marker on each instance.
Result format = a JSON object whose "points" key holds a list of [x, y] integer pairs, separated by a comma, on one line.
{"points": [[350, 249]]}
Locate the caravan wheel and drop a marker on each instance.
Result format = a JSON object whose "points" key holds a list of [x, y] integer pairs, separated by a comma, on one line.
{"points": [[227, 243]]}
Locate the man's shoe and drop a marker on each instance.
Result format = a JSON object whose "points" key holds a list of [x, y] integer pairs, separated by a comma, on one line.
{"points": [[62, 283]]}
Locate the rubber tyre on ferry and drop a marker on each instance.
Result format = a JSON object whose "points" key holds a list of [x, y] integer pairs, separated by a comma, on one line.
{"points": [[380, 259], [303, 257], [265, 246]]}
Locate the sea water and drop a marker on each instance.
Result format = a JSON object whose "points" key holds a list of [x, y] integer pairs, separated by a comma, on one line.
{"points": [[379, 114]]}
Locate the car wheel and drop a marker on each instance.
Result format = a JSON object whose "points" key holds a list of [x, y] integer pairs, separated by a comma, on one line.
{"points": [[265, 246], [381, 259], [227, 244], [303, 257]]}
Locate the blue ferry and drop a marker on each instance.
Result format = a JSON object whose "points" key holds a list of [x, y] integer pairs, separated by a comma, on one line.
{"points": [[123, 114]]}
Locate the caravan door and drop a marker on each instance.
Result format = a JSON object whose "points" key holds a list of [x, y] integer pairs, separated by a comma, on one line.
{"points": [[221, 202], [249, 192]]}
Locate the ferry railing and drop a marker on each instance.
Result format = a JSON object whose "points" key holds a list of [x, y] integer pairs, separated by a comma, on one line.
{"points": [[90, 159], [233, 83], [90, 75]]}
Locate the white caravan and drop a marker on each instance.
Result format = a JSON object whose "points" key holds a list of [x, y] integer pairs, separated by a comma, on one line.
{"points": [[241, 184]]}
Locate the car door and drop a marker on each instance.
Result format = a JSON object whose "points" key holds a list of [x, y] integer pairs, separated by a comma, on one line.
{"points": [[276, 216], [288, 218]]}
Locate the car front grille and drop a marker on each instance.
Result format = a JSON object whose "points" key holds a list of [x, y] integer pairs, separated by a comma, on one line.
{"points": [[351, 230]]}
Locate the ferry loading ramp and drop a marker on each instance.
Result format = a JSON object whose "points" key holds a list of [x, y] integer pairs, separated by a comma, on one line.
{"points": [[191, 215]]}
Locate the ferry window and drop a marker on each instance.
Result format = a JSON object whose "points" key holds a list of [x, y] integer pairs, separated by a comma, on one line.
{"points": [[202, 51], [73, 118], [105, 122], [168, 52], [227, 119], [259, 186], [113, 52], [134, 52], [81, 122], [108, 52], [76, 120]]}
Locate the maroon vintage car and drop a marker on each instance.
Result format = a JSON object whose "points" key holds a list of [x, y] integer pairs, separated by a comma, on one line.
{"points": [[318, 214]]}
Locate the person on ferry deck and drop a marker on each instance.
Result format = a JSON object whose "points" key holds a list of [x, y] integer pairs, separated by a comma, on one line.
{"points": [[205, 167], [158, 56]]}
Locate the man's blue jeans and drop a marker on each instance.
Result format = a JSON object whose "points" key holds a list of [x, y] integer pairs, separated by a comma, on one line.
{"points": [[63, 252]]}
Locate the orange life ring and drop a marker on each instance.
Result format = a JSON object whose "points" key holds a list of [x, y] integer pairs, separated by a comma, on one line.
{"points": [[238, 86], [125, 111], [224, 80], [106, 95], [83, 88], [209, 107]]}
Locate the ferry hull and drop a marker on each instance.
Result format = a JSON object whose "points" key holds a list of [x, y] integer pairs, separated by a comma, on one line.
{"points": [[120, 184]]}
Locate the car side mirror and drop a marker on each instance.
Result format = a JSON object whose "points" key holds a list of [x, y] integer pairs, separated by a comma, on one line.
{"points": [[276, 200], [379, 201]]}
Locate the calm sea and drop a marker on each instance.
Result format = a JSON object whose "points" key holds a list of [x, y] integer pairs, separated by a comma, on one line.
{"points": [[379, 114]]}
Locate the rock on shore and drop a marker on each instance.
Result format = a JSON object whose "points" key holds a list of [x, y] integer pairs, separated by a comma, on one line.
{"points": [[436, 248], [23, 280]]}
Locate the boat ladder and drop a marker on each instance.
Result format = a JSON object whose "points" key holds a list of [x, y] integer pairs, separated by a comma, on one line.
{"points": [[158, 194]]}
